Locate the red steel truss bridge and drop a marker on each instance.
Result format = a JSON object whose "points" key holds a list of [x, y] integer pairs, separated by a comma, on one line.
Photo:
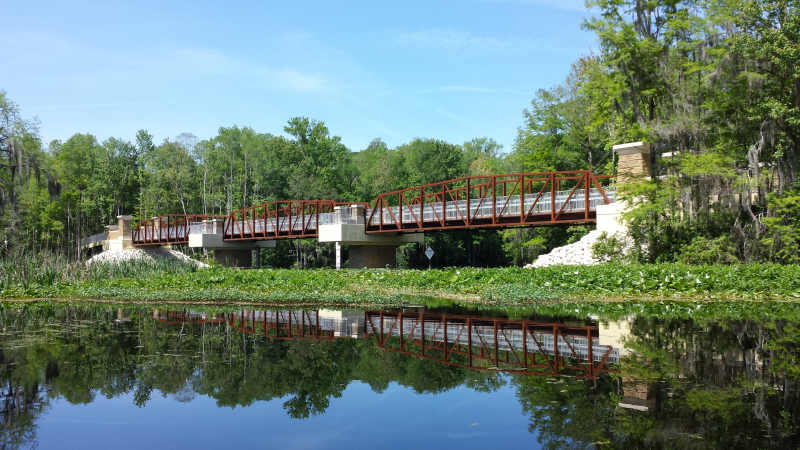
{"points": [[529, 199], [532, 347]]}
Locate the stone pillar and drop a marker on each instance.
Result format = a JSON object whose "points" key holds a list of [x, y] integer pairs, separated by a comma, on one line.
{"points": [[124, 223], [357, 214], [120, 237], [213, 226], [373, 256], [634, 161], [638, 394], [234, 258]]}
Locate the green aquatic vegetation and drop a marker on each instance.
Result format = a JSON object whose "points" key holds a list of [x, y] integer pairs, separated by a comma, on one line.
{"points": [[28, 274], [506, 286]]}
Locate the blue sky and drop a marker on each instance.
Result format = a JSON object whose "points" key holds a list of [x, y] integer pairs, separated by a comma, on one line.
{"points": [[445, 69]]}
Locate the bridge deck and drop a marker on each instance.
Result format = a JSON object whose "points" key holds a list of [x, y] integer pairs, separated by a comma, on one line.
{"points": [[471, 202]]}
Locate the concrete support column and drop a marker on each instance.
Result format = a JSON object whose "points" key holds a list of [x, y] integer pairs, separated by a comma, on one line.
{"points": [[634, 161], [124, 223], [213, 226], [234, 258], [373, 256], [231, 254], [119, 237]]}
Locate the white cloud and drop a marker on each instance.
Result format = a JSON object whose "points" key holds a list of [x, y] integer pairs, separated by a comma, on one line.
{"points": [[99, 105], [461, 40], [483, 90], [200, 62], [86, 64], [567, 5]]}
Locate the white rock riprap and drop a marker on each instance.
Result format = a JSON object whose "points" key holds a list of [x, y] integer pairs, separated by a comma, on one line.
{"points": [[575, 254], [118, 256]]}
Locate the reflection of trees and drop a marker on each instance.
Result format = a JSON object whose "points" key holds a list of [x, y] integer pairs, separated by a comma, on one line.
{"points": [[21, 404], [566, 412], [717, 384], [88, 354]]}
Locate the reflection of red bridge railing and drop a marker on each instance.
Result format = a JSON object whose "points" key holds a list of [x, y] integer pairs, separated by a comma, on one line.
{"points": [[293, 325], [528, 347], [531, 347], [185, 316]]}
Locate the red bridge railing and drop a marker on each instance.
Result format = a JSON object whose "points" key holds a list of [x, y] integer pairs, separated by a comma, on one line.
{"points": [[492, 201], [164, 230], [546, 198], [280, 219]]}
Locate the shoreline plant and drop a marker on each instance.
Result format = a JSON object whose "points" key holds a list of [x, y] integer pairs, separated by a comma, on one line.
{"points": [[54, 277]]}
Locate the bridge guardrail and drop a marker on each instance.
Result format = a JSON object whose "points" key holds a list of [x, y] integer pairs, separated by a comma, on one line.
{"points": [[469, 202], [93, 240], [165, 230], [282, 219], [491, 201]]}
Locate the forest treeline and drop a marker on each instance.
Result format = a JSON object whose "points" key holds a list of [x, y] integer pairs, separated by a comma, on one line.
{"points": [[714, 86]]}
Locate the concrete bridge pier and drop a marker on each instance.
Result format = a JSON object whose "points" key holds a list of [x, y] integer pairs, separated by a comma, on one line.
{"points": [[634, 163], [373, 256], [367, 251], [119, 237], [209, 235]]}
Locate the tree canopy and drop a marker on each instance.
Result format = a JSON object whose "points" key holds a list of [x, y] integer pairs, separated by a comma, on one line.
{"points": [[712, 86]]}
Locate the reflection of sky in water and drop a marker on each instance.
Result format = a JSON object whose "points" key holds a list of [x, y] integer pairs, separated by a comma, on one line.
{"points": [[655, 391], [361, 418]]}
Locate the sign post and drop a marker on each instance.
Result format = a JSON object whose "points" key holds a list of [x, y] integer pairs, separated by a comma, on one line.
{"points": [[429, 254]]}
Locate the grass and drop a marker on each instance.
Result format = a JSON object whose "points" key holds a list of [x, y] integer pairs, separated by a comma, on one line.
{"points": [[739, 310], [55, 278], [28, 272]]}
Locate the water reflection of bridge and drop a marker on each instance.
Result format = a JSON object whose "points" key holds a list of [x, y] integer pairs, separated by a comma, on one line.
{"points": [[536, 347], [518, 346], [311, 324]]}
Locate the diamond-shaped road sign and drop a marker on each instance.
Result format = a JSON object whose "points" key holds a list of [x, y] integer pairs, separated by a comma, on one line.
{"points": [[429, 253]]}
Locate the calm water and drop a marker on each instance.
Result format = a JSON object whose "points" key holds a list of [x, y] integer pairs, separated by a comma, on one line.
{"points": [[89, 376]]}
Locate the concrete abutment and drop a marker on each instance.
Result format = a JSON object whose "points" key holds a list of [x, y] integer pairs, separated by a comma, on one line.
{"points": [[227, 253], [373, 256], [234, 258], [367, 251]]}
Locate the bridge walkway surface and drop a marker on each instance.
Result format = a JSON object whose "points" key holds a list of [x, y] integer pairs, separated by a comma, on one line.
{"points": [[535, 199]]}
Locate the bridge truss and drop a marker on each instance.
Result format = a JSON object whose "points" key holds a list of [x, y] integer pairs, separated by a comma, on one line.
{"points": [[280, 219], [547, 198], [165, 230], [529, 199]]}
